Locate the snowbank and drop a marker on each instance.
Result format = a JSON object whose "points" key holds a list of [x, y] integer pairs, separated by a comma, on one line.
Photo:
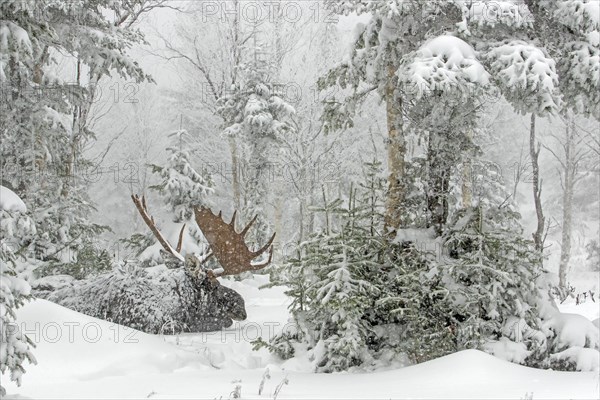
{"points": [[573, 330], [102, 360], [70, 344], [9, 201], [585, 359], [508, 350]]}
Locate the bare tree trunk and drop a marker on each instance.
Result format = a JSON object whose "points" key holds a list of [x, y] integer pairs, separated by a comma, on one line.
{"points": [[311, 216], [301, 225], [278, 221], [38, 77], [396, 150], [569, 182], [534, 152], [439, 167], [467, 178], [76, 128], [327, 225], [279, 54], [80, 121], [235, 178], [521, 167]]}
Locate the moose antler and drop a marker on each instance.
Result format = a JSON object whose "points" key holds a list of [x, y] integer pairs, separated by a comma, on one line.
{"points": [[140, 204], [227, 245]]}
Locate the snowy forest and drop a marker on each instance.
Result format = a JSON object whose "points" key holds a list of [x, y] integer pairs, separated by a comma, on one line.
{"points": [[279, 199]]}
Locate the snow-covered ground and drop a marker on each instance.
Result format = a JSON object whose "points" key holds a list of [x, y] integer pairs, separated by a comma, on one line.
{"points": [[589, 308], [82, 357]]}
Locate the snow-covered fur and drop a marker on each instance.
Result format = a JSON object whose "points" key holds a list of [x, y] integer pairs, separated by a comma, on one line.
{"points": [[152, 299]]}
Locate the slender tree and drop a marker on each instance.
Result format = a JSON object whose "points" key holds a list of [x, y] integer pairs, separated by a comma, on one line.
{"points": [[528, 79]]}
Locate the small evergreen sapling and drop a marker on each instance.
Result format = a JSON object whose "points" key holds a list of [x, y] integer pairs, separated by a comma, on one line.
{"points": [[330, 281], [180, 184]]}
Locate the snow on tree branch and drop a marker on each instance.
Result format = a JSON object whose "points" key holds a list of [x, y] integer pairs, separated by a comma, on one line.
{"points": [[441, 64], [526, 76], [579, 15]]}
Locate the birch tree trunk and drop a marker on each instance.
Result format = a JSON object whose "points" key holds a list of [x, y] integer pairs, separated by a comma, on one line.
{"points": [[396, 151], [235, 159]]}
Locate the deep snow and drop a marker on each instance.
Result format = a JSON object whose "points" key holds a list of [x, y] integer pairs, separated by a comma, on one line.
{"points": [[82, 357]]}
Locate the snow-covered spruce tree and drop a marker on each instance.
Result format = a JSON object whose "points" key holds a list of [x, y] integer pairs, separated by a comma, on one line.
{"points": [[44, 129], [256, 115], [181, 186], [344, 296], [545, 61], [394, 31], [558, 58], [340, 295], [489, 289], [330, 281], [412, 316], [372, 197], [444, 83], [499, 293], [569, 29], [468, 297], [491, 271], [298, 274], [33, 132], [527, 78], [16, 230], [493, 283]]}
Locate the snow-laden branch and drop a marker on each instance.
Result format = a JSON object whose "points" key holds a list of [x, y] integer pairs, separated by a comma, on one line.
{"points": [[444, 63]]}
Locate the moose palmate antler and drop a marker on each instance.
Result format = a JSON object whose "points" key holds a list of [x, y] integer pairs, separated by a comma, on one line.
{"points": [[226, 245]]}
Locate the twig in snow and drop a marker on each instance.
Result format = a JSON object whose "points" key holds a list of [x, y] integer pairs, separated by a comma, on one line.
{"points": [[285, 381], [265, 376]]}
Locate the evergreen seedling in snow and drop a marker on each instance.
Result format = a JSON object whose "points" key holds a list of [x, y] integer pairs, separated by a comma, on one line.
{"points": [[180, 184]]}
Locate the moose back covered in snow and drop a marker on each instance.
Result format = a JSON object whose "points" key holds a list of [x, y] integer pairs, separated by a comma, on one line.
{"points": [[187, 298]]}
